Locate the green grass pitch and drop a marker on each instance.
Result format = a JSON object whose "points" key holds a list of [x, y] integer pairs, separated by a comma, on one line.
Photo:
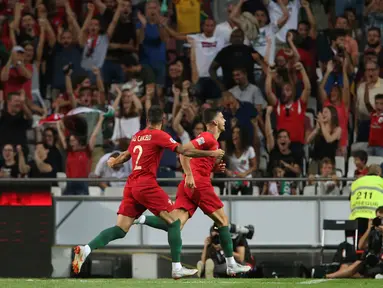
{"points": [[187, 283]]}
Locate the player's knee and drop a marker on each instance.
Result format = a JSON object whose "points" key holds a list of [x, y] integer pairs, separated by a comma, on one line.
{"points": [[222, 221], [124, 228]]}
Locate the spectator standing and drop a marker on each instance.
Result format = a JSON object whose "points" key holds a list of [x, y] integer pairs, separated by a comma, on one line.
{"points": [[236, 55], [16, 73], [130, 110], [339, 98], [291, 108], [94, 43], [325, 136], [247, 92], [122, 42], [8, 166], [79, 158], [241, 161], [152, 36], [375, 139], [374, 85], [280, 153], [15, 120], [283, 14], [206, 46]]}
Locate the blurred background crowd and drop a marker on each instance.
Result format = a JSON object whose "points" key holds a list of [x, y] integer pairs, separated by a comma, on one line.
{"points": [[299, 83]]}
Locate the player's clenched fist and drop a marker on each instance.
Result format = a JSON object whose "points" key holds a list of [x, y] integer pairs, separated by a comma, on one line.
{"points": [[219, 153], [111, 162]]}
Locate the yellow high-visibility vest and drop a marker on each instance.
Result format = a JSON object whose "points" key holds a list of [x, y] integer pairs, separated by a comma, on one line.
{"points": [[366, 196]]}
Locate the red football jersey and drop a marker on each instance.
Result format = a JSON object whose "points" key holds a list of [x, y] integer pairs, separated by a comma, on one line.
{"points": [[146, 148], [376, 130], [204, 166]]}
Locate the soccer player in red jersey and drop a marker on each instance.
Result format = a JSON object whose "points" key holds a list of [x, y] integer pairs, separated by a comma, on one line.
{"points": [[196, 190], [142, 192]]}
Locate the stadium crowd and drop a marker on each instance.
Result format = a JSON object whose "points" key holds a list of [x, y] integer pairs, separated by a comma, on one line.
{"points": [[298, 82]]}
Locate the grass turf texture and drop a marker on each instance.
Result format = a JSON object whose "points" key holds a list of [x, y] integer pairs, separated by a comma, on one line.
{"points": [[187, 283]]}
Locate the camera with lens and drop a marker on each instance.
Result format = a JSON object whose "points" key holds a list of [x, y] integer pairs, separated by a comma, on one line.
{"points": [[375, 243], [247, 231]]}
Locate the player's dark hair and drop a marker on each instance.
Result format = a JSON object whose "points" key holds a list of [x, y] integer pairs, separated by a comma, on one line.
{"points": [[378, 96], [362, 155], [155, 115], [209, 114]]}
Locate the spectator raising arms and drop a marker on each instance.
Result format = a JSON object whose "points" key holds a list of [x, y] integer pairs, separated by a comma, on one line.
{"points": [[339, 98], [325, 136], [79, 158]]}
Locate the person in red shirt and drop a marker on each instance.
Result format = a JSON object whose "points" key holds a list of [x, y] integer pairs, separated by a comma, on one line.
{"points": [[196, 189], [290, 110], [360, 162], [143, 192], [15, 74], [339, 98], [375, 140], [79, 158]]}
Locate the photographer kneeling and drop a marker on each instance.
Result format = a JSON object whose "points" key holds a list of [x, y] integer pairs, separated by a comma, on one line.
{"points": [[213, 262], [371, 263]]}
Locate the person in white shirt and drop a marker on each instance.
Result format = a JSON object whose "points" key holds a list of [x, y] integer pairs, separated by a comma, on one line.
{"points": [[283, 14], [206, 47], [241, 161], [224, 29], [104, 171]]}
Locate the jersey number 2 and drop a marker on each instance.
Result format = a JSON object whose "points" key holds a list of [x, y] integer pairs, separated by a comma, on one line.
{"points": [[139, 148]]}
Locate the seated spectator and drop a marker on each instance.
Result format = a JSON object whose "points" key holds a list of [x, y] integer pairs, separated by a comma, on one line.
{"points": [[8, 165], [40, 167], [291, 109], [50, 141], [280, 154], [245, 91], [241, 161], [281, 187], [375, 139], [120, 172], [327, 170], [325, 137], [360, 162], [15, 120], [79, 158], [339, 98]]}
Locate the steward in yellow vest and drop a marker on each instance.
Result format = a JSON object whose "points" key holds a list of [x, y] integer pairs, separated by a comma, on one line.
{"points": [[367, 194]]}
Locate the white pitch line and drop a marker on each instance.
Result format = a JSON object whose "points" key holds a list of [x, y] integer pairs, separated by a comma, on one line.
{"points": [[311, 282]]}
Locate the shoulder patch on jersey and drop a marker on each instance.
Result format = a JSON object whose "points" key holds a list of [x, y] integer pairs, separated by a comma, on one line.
{"points": [[173, 141], [200, 140]]}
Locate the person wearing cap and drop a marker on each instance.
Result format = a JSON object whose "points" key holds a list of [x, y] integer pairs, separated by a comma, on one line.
{"points": [[15, 74], [366, 196]]}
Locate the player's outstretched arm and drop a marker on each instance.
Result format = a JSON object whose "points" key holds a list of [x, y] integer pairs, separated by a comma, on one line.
{"points": [[121, 159], [189, 151]]}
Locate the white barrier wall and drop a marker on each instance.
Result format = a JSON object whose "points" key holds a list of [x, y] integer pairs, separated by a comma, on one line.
{"points": [[278, 221]]}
